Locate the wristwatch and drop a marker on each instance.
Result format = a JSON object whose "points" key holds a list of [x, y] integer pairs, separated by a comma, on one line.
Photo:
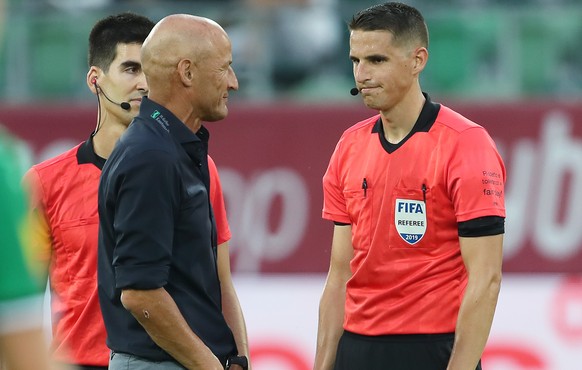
{"points": [[237, 360]]}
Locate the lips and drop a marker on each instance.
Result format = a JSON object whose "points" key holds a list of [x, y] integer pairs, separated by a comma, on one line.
{"points": [[365, 90]]}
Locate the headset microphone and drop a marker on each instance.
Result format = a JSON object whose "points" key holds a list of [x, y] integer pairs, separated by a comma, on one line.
{"points": [[354, 91], [124, 105]]}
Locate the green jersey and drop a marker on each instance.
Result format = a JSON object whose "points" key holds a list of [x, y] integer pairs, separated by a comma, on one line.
{"points": [[18, 287]]}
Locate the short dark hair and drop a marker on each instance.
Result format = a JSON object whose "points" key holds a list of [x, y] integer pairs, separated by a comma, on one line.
{"points": [[403, 21], [124, 28]]}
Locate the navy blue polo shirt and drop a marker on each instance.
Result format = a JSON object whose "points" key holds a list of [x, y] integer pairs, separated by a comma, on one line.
{"points": [[157, 230]]}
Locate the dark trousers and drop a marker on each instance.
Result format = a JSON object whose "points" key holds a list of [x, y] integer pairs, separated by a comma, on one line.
{"points": [[394, 352]]}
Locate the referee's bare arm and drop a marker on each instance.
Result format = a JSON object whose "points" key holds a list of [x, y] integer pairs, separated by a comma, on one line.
{"points": [[483, 258], [231, 309], [157, 312], [332, 303]]}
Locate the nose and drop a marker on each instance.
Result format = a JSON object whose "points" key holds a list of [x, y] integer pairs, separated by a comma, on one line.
{"points": [[232, 80], [142, 84], [360, 72]]}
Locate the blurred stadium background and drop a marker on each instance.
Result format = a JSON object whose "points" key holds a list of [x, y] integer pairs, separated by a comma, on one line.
{"points": [[514, 66]]}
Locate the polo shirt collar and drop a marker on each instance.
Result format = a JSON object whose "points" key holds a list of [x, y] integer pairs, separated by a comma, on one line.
{"points": [[86, 154], [150, 110], [424, 122], [425, 119]]}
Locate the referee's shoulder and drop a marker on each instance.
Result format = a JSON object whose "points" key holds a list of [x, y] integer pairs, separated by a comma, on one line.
{"points": [[455, 121], [366, 124], [58, 160]]}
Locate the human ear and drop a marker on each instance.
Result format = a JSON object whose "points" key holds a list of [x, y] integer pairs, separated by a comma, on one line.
{"points": [[92, 78], [420, 59], [185, 70]]}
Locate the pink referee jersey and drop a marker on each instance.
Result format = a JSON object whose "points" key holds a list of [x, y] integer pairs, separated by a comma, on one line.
{"points": [[404, 207], [65, 226]]}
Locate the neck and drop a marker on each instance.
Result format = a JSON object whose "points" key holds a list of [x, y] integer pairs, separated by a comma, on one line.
{"points": [[399, 121], [193, 123], [182, 109], [106, 137]]}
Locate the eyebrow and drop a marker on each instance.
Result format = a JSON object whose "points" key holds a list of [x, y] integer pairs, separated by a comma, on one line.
{"points": [[130, 63], [377, 56], [371, 57]]}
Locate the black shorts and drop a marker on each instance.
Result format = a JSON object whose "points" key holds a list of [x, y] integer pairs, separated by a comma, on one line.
{"points": [[394, 352]]}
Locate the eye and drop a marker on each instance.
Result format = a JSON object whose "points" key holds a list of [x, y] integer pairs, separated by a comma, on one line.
{"points": [[132, 68], [377, 60]]}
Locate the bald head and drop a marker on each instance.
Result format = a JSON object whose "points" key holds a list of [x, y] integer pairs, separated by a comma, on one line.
{"points": [[175, 38], [187, 63]]}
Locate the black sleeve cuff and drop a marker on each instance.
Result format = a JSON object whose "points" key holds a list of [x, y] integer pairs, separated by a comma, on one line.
{"points": [[141, 277], [482, 226], [336, 223]]}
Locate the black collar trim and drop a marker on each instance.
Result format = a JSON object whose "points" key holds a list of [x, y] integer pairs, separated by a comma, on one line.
{"points": [[86, 154], [426, 119]]}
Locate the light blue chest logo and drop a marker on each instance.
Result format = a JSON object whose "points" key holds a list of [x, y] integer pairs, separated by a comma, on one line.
{"points": [[161, 120], [410, 220]]}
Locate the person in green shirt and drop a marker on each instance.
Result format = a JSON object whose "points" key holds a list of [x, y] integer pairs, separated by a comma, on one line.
{"points": [[22, 341]]}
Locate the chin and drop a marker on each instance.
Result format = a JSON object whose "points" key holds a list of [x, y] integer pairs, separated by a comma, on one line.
{"points": [[378, 104], [373, 106], [214, 117], [218, 115]]}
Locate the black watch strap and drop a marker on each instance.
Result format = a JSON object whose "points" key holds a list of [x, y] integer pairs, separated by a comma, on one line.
{"points": [[242, 361]]}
